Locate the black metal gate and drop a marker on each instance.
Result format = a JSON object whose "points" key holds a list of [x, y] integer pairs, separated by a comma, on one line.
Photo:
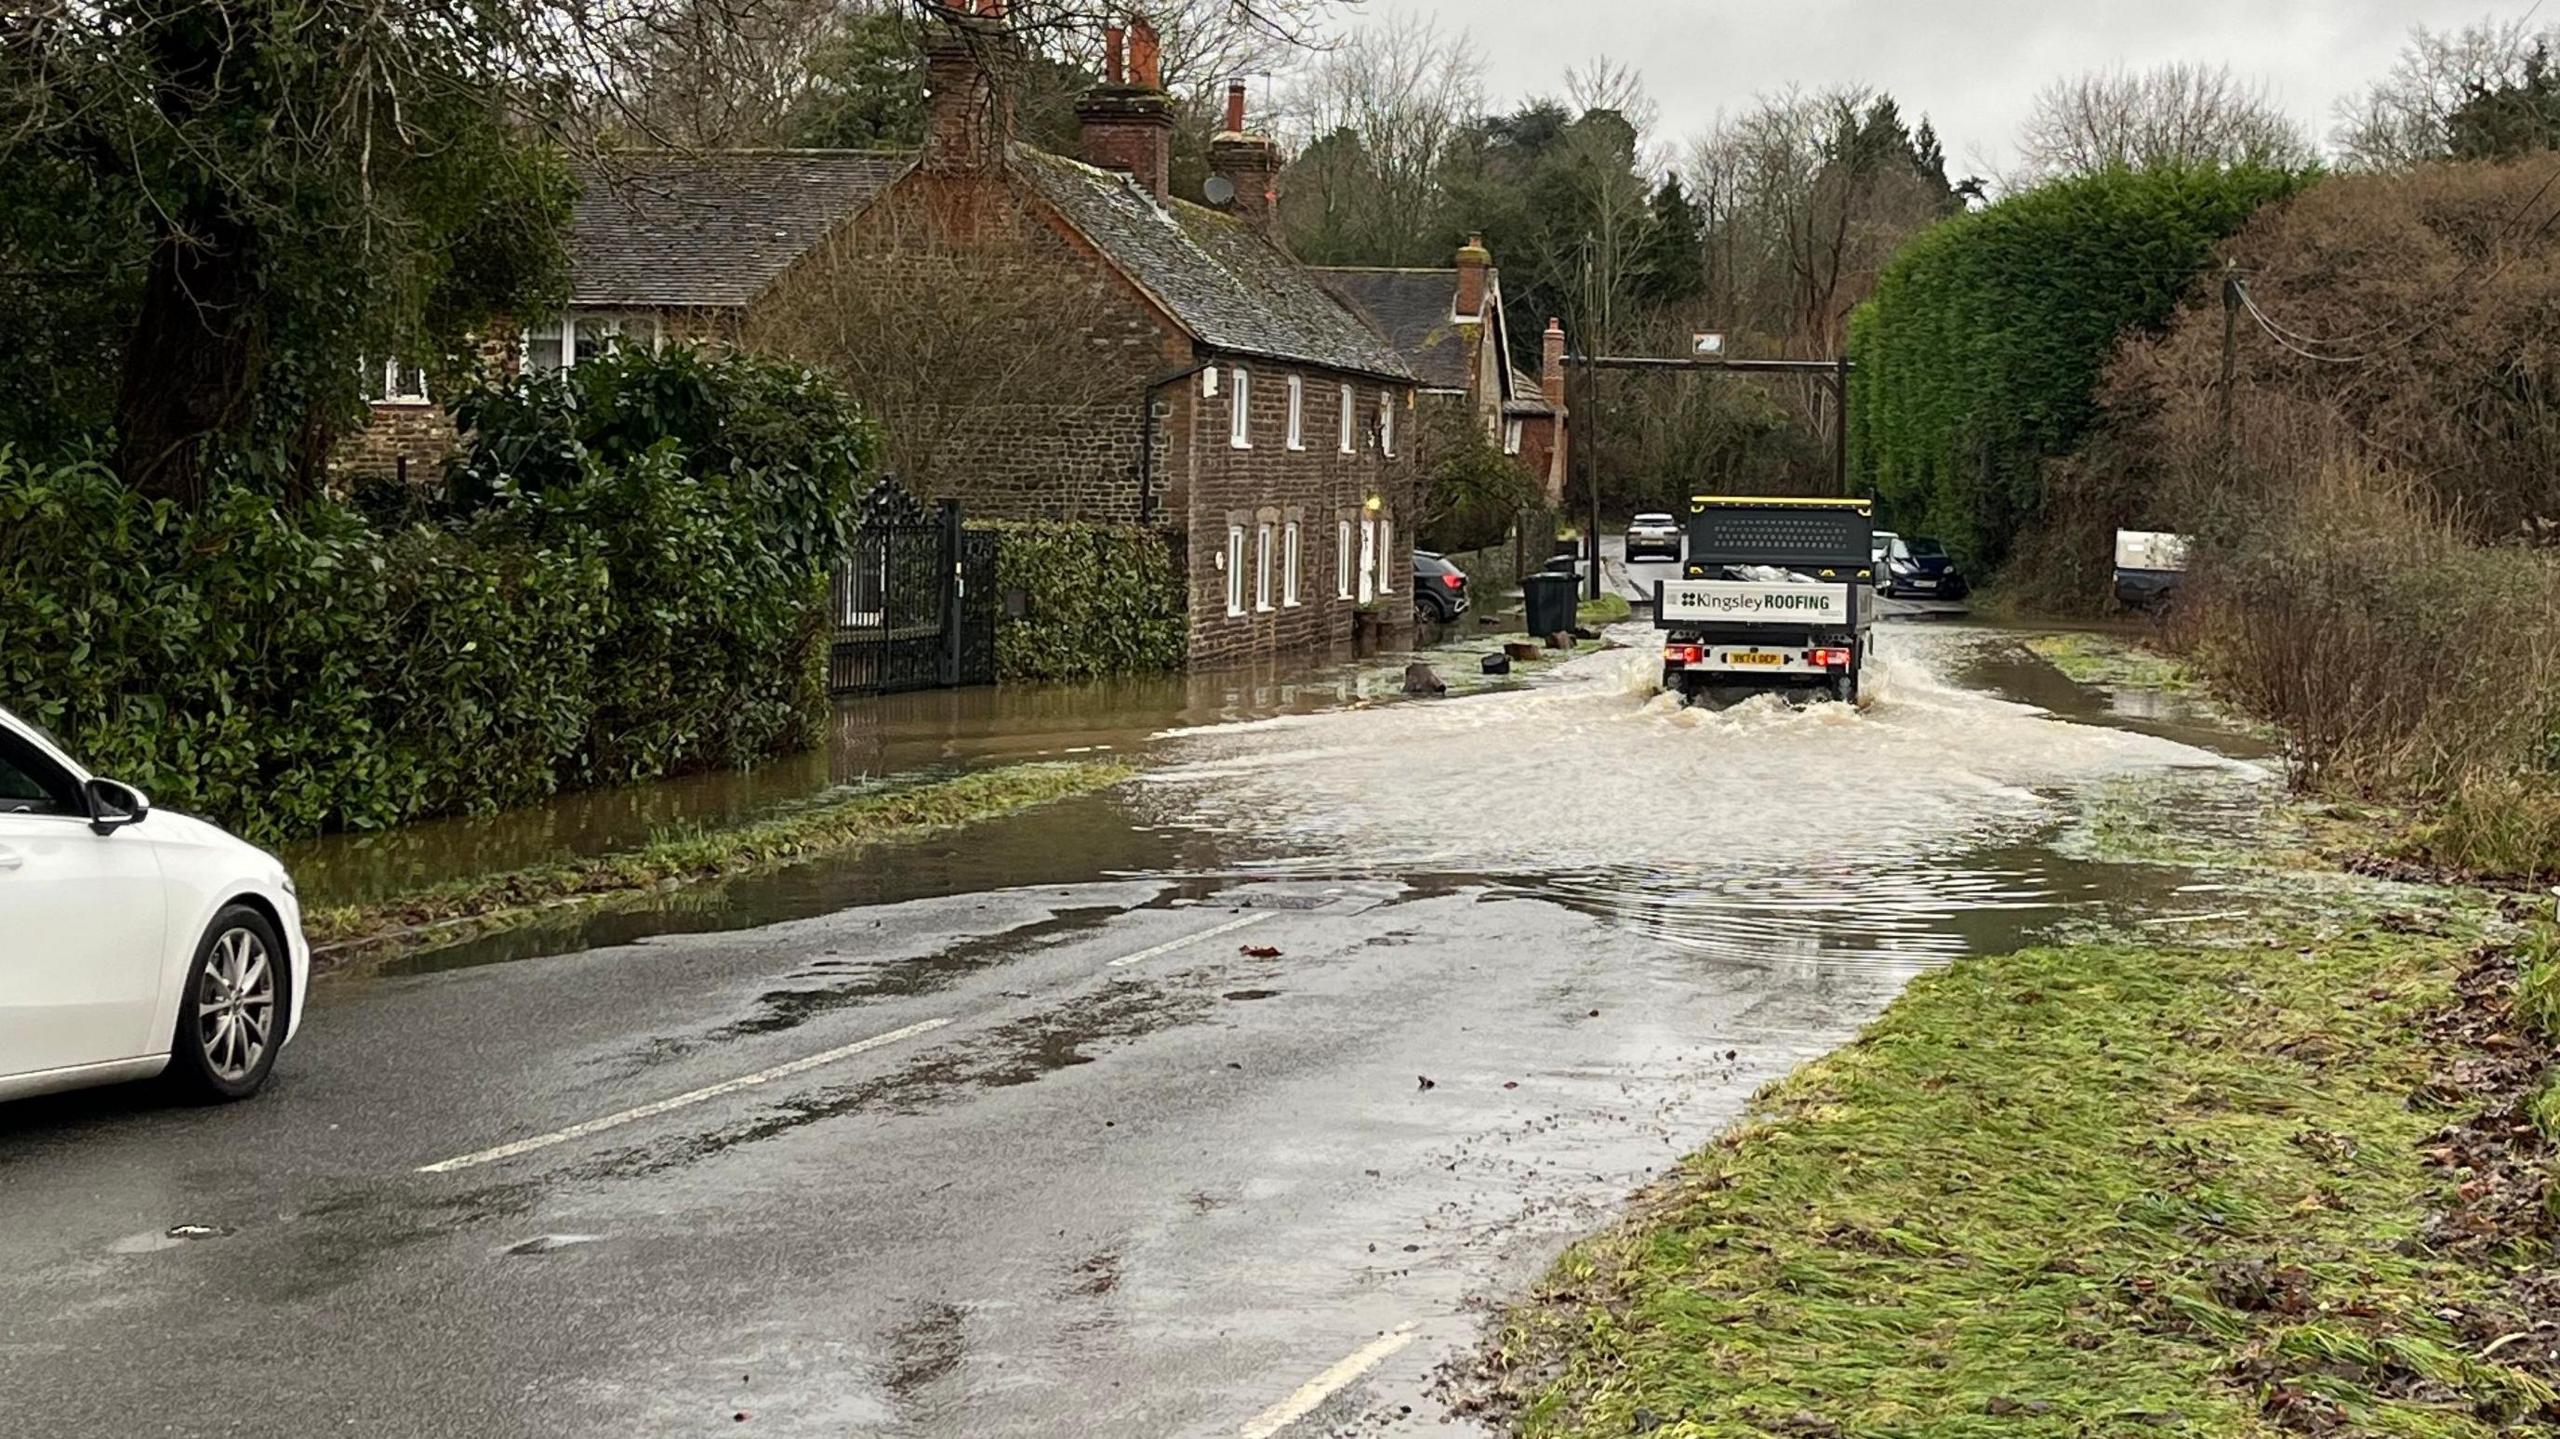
{"points": [[913, 605]]}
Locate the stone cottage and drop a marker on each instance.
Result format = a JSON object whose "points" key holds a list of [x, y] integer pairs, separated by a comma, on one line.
{"points": [[1085, 343], [1451, 328]]}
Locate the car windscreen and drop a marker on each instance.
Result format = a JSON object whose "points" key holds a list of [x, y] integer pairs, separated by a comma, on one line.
{"points": [[1655, 522], [1430, 564], [1925, 548]]}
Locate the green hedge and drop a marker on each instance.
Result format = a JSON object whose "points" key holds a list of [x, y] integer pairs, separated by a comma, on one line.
{"points": [[1978, 358], [1096, 601], [593, 612]]}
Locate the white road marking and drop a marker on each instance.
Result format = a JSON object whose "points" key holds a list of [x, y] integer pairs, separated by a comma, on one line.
{"points": [[1317, 1390], [681, 1101], [1212, 932]]}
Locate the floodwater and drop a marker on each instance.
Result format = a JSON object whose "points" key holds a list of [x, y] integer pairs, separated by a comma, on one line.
{"points": [[1913, 831], [1904, 835], [889, 740]]}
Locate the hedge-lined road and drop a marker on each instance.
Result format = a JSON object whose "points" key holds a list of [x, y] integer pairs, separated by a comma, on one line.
{"points": [[1199, 1156]]}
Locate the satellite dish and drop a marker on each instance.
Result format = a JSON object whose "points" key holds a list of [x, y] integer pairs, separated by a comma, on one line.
{"points": [[1221, 190]]}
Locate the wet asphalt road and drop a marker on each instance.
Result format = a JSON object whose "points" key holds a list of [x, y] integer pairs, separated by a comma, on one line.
{"points": [[1136, 1182], [1227, 1152]]}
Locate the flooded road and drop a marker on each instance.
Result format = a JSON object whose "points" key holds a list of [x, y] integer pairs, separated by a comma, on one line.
{"points": [[1218, 1105]]}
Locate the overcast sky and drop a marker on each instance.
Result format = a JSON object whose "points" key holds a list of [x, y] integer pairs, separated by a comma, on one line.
{"points": [[1971, 65]]}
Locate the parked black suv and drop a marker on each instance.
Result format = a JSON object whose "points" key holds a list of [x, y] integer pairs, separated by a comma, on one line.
{"points": [[1439, 589]]}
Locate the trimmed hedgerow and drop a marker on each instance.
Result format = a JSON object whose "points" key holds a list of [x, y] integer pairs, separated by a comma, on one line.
{"points": [[1095, 601], [592, 610], [1979, 357]]}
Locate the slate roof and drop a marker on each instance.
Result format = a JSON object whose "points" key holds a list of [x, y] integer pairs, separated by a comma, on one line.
{"points": [[1414, 310], [714, 228], [1216, 275]]}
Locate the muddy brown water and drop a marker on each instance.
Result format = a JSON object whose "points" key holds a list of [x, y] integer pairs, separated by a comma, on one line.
{"points": [[872, 742], [1898, 838]]}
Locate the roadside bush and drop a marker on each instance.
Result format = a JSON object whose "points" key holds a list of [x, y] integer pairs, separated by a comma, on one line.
{"points": [[1097, 601], [595, 610], [2395, 655]]}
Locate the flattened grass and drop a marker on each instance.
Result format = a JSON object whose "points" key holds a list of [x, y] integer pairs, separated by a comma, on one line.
{"points": [[2088, 1190], [2106, 661]]}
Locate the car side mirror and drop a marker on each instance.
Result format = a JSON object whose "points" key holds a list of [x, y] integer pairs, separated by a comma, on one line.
{"points": [[113, 805]]}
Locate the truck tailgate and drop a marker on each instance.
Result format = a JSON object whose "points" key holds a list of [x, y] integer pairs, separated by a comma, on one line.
{"points": [[1697, 602]]}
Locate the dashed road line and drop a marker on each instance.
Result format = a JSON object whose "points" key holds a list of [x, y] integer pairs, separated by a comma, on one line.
{"points": [[1324, 1386], [1170, 945], [680, 1101]]}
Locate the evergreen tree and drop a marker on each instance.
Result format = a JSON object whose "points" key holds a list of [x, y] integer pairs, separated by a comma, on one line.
{"points": [[2519, 117], [1669, 270]]}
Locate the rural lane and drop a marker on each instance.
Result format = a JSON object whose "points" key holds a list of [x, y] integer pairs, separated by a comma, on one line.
{"points": [[1243, 1144]]}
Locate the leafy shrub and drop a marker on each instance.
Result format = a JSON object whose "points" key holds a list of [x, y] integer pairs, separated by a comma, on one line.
{"points": [[284, 673], [1098, 601], [598, 609]]}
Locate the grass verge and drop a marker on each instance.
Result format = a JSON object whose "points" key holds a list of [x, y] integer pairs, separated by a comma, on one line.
{"points": [[2213, 1188], [1609, 609], [2104, 660], [495, 901]]}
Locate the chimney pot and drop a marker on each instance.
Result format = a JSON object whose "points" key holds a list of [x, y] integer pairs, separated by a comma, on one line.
{"points": [[1235, 107], [1146, 54], [1115, 55]]}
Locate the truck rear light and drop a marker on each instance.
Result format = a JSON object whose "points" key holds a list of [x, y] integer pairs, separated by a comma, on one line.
{"points": [[1453, 579], [1827, 659], [1685, 654]]}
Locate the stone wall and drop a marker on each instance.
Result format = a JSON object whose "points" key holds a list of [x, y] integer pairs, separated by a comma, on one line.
{"points": [[401, 440]]}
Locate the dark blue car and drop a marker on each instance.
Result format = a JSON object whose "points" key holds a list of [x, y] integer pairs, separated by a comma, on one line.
{"points": [[1917, 567]]}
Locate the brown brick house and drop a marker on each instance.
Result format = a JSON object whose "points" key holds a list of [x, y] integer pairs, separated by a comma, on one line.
{"points": [[1452, 330], [1073, 340]]}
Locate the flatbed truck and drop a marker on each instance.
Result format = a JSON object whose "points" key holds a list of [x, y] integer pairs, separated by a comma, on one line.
{"points": [[1774, 595]]}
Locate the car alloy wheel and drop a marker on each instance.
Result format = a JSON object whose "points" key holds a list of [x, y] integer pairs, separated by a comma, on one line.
{"points": [[236, 1005]]}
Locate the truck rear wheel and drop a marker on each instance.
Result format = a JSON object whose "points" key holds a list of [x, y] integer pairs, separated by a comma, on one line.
{"points": [[1846, 688]]}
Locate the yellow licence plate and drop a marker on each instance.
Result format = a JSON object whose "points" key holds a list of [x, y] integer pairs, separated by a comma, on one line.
{"points": [[1755, 659]]}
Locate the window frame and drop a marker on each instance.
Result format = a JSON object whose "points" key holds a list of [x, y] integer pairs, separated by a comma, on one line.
{"points": [[1514, 433], [1297, 412], [1289, 542], [1387, 423], [1387, 567], [616, 325], [383, 387], [1343, 557], [1262, 567], [1240, 409], [1235, 571], [1350, 436]]}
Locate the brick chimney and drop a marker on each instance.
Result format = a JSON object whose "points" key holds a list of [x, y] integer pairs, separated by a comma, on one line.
{"points": [[1127, 120], [1475, 262], [968, 107], [1249, 162]]}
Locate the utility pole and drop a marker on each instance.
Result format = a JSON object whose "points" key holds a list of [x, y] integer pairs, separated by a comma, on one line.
{"points": [[1591, 476], [2230, 359]]}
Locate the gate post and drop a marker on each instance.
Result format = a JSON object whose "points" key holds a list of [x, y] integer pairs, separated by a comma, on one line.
{"points": [[951, 592]]}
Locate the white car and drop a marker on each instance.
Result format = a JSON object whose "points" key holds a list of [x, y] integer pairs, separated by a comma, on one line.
{"points": [[134, 942], [1655, 536]]}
